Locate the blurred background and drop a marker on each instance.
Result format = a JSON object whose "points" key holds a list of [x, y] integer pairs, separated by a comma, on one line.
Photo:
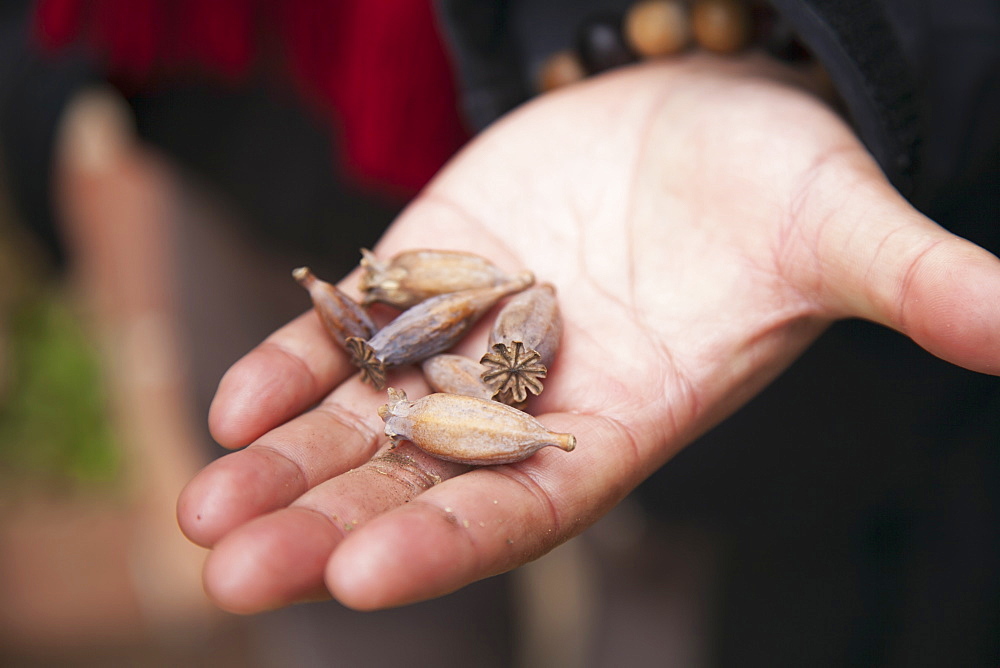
{"points": [[163, 167]]}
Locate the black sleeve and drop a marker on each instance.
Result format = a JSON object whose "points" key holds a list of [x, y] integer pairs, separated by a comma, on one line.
{"points": [[920, 81]]}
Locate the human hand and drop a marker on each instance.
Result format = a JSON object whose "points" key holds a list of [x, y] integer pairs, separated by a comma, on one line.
{"points": [[703, 221]]}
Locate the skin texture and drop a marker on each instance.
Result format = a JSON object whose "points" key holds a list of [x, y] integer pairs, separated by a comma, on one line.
{"points": [[703, 220]]}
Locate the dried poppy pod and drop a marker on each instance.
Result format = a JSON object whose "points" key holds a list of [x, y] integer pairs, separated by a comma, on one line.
{"points": [[341, 316], [416, 275], [456, 374], [524, 341], [467, 430], [430, 327]]}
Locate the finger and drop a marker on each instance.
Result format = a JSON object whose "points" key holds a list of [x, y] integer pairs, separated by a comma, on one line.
{"points": [[280, 558], [341, 432], [884, 261], [270, 562], [288, 372], [486, 521]]}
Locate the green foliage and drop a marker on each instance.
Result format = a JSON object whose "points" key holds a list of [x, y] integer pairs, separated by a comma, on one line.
{"points": [[53, 413]]}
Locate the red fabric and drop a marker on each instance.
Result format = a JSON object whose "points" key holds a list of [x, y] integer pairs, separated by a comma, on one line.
{"points": [[57, 23], [377, 70], [129, 33], [219, 33]]}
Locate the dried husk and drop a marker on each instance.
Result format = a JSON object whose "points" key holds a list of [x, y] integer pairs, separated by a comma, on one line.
{"points": [[524, 341], [341, 316], [456, 374], [428, 328], [468, 430], [415, 275]]}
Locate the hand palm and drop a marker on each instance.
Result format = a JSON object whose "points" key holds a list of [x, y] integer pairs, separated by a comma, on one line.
{"points": [[701, 222]]}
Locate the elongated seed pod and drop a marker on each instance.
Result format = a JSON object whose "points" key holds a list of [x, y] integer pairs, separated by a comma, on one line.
{"points": [[430, 327], [416, 275], [467, 430], [524, 341], [341, 316], [456, 374]]}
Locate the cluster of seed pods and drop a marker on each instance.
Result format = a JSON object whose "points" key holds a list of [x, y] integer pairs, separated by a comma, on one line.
{"points": [[474, 415]]}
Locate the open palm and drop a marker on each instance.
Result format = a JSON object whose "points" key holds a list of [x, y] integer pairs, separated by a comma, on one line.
{"points": [[702, 220]]}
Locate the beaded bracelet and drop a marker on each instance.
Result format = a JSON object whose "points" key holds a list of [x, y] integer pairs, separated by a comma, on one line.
{"points": [[659, 28]]}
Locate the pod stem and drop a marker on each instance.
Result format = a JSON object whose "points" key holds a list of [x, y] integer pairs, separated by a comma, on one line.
{"points": [[304, 276], [567, 442]]}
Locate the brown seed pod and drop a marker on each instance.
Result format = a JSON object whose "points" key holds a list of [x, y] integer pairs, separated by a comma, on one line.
{"points": [[341, 316], [467, 430], [524, 340], [456, 374], [430, 327], [416, 275]]}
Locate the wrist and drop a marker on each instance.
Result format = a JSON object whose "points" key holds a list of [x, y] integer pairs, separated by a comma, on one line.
{"points": [[661, 30]]}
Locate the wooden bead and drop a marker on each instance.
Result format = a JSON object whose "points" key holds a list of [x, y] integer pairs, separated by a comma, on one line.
{"points": [[601, 45], [560, 69], [656, 28], [723, 26]]}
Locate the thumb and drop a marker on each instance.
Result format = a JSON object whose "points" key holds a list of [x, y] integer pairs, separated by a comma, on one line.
{"points": [[884, 261]]}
